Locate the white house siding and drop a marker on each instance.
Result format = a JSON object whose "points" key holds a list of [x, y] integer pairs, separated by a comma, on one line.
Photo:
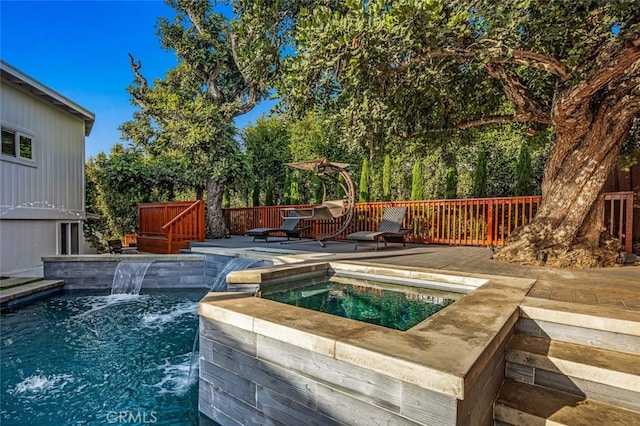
{"points": [[23, 243], [54, 188], [35, 199]]}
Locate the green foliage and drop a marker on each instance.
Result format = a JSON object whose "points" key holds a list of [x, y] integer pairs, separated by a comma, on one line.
{"points": [[286, 189], [268, 198], [255, 194], [524, 171], [340, 194], [117, 183], [386, 178], [294, 194], [451, 183], [417, 183], [480, 177], [363, 196], [266, 145], [318, 193]]}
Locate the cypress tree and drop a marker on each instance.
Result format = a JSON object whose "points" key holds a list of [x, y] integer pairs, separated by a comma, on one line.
{"points": [[524, 171], [386, 178], [268, 197], [294, 196], [364, 181], [286, 191], [451, 183], [318, 191], [339, 190], [417, 181], [480, 176], [255, 193]]}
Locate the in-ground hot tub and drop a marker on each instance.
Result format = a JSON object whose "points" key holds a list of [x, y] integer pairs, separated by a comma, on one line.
{"points": [[263, 361]]}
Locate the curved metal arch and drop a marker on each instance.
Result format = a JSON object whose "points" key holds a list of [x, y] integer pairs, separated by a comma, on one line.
{"points": [[322, 167]]}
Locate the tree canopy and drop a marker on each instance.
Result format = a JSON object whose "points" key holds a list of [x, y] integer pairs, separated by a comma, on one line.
{"points": [[421, 80]]}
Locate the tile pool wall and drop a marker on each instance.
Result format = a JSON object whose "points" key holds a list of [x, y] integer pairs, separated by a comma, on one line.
{"points": [[95, 272], [265, 362]]}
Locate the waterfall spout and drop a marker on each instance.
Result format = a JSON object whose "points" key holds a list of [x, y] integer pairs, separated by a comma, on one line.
{"points": [[128, 277], [235, 264]]}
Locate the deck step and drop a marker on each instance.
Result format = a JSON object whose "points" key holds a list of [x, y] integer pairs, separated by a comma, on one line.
{"points": [[529, 405], [609, 376], [608, 328]]}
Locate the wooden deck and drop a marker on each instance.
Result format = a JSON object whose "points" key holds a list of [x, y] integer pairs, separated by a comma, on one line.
{"points": [[160, 245]]}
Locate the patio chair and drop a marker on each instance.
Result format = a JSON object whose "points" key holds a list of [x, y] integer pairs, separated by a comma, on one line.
{"points": [[389, 230], [289, 227], [115, 246]]}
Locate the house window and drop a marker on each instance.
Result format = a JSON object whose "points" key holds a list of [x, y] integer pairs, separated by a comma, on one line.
{"points": [[17, 144]]}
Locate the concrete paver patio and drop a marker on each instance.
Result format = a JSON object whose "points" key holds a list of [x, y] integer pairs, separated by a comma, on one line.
{"points": [[617, 287]]}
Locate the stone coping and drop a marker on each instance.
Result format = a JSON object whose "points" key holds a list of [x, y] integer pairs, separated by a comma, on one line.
{"points": [[445, 353], [275, 255], [123, 257]]}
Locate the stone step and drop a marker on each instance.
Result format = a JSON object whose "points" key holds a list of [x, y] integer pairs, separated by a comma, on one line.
{"points": [[609, 376], [13, 296], [603, 327], [529, 405], [16, 281]]}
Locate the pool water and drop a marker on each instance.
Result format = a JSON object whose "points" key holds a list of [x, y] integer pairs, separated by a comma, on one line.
{"points": [[398, 310], [82, 359]]}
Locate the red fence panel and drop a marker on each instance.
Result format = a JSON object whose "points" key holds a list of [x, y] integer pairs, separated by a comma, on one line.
{"points": [[617, 212], [478, 221]]}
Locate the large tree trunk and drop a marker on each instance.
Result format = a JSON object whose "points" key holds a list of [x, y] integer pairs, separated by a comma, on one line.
{"points": [[216, 227], [590, 131]]}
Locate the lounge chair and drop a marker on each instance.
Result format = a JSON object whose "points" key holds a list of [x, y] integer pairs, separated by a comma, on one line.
{"points": [[115, 246], [289, 227], [389, 230]]}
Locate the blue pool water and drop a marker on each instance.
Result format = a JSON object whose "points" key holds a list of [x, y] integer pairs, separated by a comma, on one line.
{"points": [[392, 309], [83, 359]]}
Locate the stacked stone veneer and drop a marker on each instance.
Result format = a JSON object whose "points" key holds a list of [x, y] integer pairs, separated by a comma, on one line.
{"points": [[95, 272]]}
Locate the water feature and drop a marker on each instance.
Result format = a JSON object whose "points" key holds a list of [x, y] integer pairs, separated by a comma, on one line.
{"points": [[87, 359], [128, 277], [234, 264]]}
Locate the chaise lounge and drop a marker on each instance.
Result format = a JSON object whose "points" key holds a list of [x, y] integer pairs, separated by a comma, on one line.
{"points": [[289, 227], [389, 230]]}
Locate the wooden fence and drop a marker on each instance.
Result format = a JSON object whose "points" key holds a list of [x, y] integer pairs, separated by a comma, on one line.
{"points": [[617, 213], [478, 221], [472, 222], [168, 227]]}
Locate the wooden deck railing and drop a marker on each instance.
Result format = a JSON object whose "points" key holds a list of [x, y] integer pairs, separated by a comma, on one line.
{"points": [[188, 225], [474, 222], [175, 221], [479, 221], [617, 212]]}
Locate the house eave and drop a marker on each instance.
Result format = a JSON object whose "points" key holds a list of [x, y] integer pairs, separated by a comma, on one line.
{"points": [[20, 79]]}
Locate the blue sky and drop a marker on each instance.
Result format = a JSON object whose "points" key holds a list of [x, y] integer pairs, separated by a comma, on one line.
{"points": [[79, 49]]}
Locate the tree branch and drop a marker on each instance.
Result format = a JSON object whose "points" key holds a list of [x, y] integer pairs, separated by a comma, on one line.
{"points": [[499, 55], [244, 106], [502, 119], [614, 62], [138, 92], [209, 78], [518, 94]]}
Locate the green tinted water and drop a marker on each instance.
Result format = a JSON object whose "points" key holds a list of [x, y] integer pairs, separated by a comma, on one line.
{"points": [[374, 305]]}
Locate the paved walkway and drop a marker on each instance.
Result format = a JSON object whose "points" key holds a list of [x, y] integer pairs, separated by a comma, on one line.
{"points": [[617, 287]]}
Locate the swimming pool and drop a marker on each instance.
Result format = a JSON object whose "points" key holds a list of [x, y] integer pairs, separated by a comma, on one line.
{"points": [[101, 359]]}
